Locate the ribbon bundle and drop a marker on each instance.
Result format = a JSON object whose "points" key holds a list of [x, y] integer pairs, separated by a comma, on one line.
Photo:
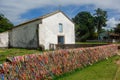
{"points": [[52, 63]]}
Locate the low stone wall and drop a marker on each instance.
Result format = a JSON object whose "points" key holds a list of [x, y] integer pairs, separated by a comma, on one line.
{"points": [[71, 46], [52, 63]]}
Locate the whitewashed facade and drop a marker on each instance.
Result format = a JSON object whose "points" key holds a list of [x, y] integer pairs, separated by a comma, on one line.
{"points": [[52, 28], [4, 39], [24, 36], [49, 30]]}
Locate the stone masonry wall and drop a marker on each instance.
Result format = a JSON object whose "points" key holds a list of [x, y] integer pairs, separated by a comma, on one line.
{"points": [[53, 63]]}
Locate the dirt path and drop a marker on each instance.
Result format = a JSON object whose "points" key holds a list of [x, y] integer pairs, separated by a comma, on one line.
{"points": [[117, 75]]}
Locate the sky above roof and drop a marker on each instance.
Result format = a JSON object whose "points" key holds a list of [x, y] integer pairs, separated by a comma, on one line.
{"points": [[18, 11]]}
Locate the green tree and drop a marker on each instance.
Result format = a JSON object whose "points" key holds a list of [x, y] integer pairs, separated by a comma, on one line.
{"points": [[100, 19], [5, 24], [117, 29], [84, 28]]}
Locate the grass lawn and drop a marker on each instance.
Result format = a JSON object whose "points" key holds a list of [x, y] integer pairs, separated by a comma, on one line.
{"points": [[4, 53], [103, 70], [91, 43], [94, 43]]}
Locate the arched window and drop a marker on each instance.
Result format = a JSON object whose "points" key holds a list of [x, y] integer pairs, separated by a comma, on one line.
{"points": [[60, 27]]}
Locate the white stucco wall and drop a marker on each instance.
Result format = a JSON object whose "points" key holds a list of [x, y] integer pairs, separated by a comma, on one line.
{"points": [[4, 39], [49, 30], [25, 36], [31, 36]]}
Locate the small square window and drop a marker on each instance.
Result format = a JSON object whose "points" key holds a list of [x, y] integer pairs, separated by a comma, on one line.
{"points": [[60, 27]]}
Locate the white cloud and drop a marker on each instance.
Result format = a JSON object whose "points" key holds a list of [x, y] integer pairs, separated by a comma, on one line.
{"points": [[13, 9], [111, 23]]}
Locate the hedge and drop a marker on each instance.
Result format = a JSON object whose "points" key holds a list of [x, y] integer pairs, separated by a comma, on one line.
{"points": [[53, 63]]}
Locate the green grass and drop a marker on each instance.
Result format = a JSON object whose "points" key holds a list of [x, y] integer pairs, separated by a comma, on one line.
{"points": [[4, 53], [103, 70], [95, 43], [91, 43]]}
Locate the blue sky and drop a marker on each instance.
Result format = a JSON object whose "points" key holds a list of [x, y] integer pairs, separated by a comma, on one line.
{"points": [[18, 11]]}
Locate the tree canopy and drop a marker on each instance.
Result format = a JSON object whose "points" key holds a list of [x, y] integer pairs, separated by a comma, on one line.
{"points": [[100, 19], [5, 24], [87, 24], [117, 29], [84, 25]]}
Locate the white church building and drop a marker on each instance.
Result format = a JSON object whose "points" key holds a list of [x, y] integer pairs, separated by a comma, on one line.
{"points": [[53, 28]]}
